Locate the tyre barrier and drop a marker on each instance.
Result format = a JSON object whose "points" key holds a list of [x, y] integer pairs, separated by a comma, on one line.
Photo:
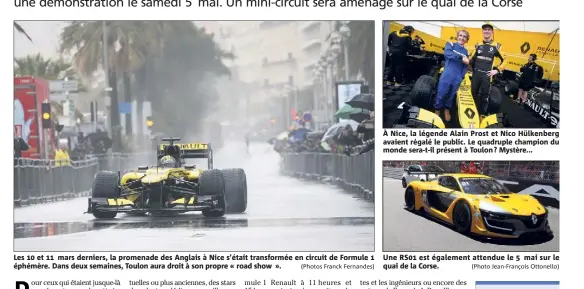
{"points": [[355, 174]]}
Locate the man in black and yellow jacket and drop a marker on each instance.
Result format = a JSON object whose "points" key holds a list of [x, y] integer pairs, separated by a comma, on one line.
{"points": [[484, 68], [398, 45]]}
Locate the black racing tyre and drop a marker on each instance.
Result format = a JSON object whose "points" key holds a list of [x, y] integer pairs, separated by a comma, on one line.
{"points": [[404, 183], [235, 190], [410, 199], [512, 88], [423, 91], [462, 217], [434, 72], [495, 100], [105, 185], [211, 184]]}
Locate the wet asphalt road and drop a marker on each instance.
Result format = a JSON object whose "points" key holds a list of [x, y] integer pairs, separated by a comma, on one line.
{"points": [[405, 231], [284, 214]]}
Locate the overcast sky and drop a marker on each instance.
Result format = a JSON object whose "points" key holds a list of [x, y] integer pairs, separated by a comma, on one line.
{"points": [[45, 37], [45, 34]]}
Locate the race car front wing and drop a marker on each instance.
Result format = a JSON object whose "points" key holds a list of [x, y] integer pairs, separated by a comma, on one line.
{"points": [[119, 205]]}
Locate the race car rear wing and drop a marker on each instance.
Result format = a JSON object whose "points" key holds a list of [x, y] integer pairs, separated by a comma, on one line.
{"points": [[189, 150]]}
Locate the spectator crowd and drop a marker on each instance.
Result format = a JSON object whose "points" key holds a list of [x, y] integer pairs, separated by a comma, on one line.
{"points": [[345, 137]]}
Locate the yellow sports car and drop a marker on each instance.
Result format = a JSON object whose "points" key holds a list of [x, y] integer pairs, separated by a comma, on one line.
{"points": [[479, 205], [170, 187]]}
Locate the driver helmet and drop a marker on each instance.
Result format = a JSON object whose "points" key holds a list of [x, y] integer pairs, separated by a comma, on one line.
{"points": [[167, 162]]}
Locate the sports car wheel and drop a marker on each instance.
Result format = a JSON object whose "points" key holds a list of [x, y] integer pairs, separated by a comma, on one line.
{"points": [[511, 89], [235, 190], [211, 184], [404, 183], [410, 199], [105, 185], [462, 218], [495, 100], [423, 91]]}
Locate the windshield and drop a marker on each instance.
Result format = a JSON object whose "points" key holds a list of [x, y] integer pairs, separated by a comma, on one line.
{"points": [[482, 186], [432, 169]]}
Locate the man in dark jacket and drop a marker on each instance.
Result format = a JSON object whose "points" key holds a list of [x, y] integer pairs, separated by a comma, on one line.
{"points": [[398, 44], [484, 68], [531, 72], [418, 45]]}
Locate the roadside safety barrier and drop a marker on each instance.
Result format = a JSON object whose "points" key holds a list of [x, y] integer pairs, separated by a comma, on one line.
{"points": [[355, 174], [39, 181]]}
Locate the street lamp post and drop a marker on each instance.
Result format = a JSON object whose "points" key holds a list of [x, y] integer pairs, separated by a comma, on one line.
{"points": [[295, 92], [315, 83], [331, 57], [106, 76], [286, 92], [346, 33], [326, 85]]}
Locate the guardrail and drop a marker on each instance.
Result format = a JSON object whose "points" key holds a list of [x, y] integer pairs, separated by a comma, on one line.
{"points": [[40, 181], [394, 173], [352, 173]]}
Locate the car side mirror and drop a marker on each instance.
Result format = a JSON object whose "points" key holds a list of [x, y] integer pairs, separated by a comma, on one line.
{"points": [[142, 168]]}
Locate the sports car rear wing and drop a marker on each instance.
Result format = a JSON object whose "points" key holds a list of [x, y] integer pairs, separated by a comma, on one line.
{"points": [[426, 173]]}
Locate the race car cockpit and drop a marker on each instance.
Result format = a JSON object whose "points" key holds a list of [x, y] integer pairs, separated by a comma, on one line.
{"points": [[168, 162], [170, 156]]}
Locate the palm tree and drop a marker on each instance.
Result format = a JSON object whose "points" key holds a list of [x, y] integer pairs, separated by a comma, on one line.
{"points": [[33, 65], [149, 51], [21, 30], [127, 49], [38, 66]]}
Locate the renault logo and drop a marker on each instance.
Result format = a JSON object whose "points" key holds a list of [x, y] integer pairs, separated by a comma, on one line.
{"points": [[469, 112], [525, 47], [534, 219]]}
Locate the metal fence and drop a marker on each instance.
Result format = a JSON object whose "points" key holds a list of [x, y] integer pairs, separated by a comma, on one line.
{"points": [[39, 181], [528, 170], [352, 173]]}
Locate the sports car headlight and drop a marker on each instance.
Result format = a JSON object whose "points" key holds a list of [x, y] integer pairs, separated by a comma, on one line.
{"points": [[492, 208]]}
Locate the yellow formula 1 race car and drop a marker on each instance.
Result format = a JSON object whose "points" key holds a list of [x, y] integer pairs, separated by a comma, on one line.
{"points": [[478, 205], [465, 113], [171, 187]]}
